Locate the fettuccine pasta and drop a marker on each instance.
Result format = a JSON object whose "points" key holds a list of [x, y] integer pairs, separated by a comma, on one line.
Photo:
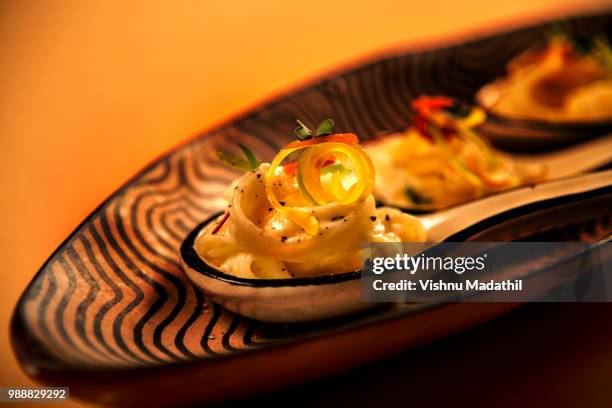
{"points": [[561, 82], [304, 214], [441, 160]]}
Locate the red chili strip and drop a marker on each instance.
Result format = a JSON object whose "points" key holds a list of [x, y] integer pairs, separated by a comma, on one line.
{"points": [[220, 223]]}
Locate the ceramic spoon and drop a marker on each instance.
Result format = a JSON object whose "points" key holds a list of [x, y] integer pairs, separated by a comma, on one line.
{"points": [[572, 160], [321, 297], [532, 134]]}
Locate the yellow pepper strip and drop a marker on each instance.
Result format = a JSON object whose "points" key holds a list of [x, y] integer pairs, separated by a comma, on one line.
{"points": [[475, 118], [457, 164], [432, 109], [471, 137], [349, 181]]}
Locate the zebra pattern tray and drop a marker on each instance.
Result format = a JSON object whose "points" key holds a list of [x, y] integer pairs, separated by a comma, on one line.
{"points": [[113, 297]]}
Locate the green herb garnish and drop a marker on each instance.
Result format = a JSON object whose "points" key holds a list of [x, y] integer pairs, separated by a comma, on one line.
{"points": [[582, 43], [239, 163], [458, 110], [325, 128], [302, 132], [250, 156], [602, 51], [415, 196]]}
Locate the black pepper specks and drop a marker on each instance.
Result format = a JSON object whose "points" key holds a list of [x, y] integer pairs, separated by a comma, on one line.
{"points": [[373, 218], [282, 203], [387, 218], [283, 238]]}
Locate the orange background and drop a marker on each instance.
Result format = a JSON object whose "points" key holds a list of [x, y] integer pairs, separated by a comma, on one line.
{"points": [[90, 91]]}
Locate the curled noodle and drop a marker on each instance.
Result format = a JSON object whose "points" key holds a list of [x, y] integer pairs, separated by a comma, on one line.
{"points": [[260, 241]]}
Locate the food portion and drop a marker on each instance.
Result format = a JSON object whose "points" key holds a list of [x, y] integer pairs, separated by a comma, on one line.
{"points": [[441, 160], [565, 80], [304, 214]]}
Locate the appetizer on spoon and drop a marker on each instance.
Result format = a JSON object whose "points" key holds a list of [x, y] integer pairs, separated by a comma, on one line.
{"points": [[304, 214], [441, 160], [332, 294], [565, 79]]}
